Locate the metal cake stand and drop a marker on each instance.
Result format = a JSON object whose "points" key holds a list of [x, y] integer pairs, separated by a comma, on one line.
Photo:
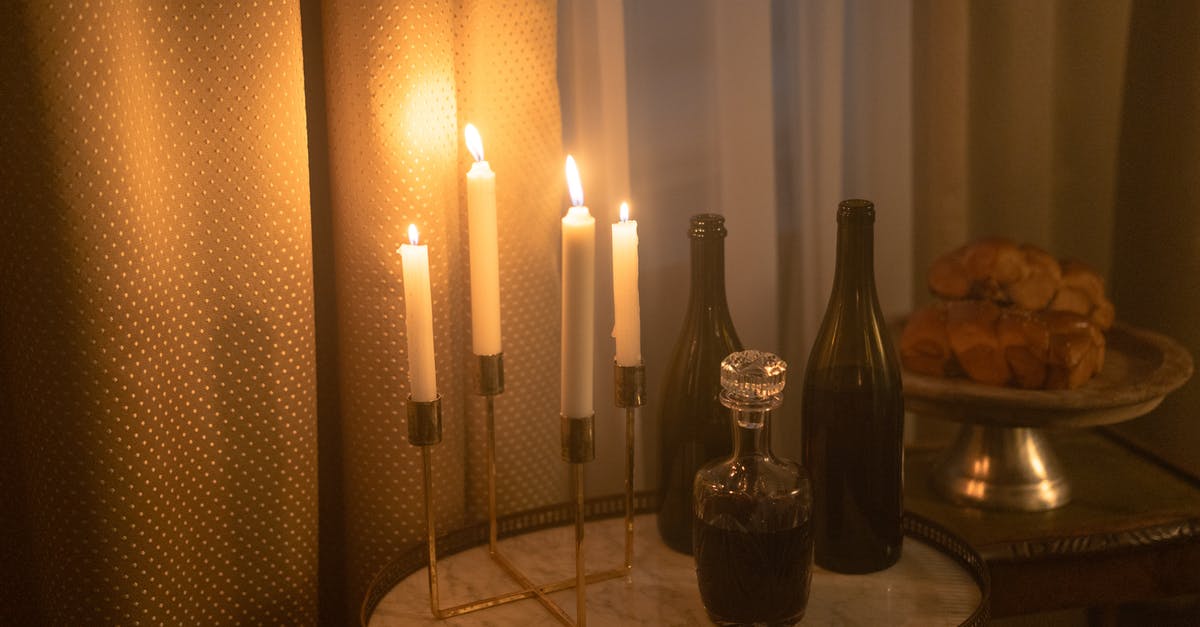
{"points": [[1001, 458]]}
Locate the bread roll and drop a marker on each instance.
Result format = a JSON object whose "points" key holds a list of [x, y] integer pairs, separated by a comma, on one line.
{"points": [[924, 346], [947, 276], [1084, 294], [1075, 349], [994, 260], [1071, 299], [971, 330], [1036, 287], [1015, 315], [1025, 342], [1079, 275], [1104, 315]]}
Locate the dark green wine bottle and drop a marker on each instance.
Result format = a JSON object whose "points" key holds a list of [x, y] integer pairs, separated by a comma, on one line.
{"points": [[693, 424], [852, 413]]}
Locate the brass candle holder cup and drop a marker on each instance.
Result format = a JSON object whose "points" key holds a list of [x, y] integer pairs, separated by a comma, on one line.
{"points": [[578, 448]]}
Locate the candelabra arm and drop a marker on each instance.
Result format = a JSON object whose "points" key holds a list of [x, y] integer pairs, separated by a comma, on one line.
{"points": [[489, 385], [578, 447], [629, 392]]}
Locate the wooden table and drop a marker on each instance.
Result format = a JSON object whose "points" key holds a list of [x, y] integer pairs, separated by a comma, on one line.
{"points": [[1130, 533]]}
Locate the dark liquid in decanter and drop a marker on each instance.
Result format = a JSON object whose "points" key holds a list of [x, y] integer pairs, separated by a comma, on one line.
{"points": [[750, 577]]}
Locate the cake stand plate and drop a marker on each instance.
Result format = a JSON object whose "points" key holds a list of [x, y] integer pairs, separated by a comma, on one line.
{"points": [[1001, 458]]}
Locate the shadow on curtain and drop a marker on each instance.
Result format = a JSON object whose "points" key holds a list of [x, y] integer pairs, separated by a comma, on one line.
{"points": [[1156, 239]]}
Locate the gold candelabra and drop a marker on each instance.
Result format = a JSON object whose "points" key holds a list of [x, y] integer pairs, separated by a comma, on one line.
{"points": [[578, 448]]}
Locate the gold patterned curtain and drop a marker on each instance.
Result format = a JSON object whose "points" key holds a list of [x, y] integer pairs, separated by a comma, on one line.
{"points": [[202, 351]]}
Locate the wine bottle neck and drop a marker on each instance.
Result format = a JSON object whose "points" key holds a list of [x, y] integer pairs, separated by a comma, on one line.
{"points": [[708, 273], [855, 269]]}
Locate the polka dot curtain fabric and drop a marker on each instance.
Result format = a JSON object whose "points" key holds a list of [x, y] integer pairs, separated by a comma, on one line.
{"points": [[403, 80], [157, 355], [157, 338]]}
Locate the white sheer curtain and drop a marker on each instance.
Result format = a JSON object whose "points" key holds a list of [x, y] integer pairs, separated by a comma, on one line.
{"points": [[769, 113], [844, 128]]}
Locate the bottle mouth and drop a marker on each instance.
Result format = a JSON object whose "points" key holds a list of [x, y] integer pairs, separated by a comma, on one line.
{"points": [[856, 211], [707, 225]]}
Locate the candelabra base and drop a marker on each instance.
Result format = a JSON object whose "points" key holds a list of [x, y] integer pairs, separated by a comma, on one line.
{"points": [[578, 448]]}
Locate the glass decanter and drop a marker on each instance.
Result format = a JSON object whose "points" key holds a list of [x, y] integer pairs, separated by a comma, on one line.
{"points": [[752, 522]]}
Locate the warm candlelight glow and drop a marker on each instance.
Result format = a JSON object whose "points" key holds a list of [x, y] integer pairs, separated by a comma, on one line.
{"points": [[624, 212], [474, 142], [573, 183], [412, 234]]}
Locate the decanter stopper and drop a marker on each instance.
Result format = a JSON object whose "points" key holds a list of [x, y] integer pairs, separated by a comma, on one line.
{"points": [[753, 376]]}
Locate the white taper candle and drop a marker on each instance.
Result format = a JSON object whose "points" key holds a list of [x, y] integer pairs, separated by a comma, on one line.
{"points": [[418, 319], [484, 250], [578, 301], [627, 325]]}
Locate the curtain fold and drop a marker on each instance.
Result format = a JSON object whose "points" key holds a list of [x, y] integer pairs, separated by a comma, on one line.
{"points": [[393, 153], [402, 80], [157, 339]]}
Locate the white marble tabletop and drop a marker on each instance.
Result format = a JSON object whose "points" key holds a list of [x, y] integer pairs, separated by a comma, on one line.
{"points": [[925, 588]]}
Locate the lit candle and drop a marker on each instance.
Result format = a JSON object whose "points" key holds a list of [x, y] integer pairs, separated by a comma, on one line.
{"points": [[418, 319], [578, 300], [627, 325], [484, 250]]}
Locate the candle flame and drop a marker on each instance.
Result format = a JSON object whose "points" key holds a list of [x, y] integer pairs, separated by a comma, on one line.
{"points": [[624, 212], [413, 236], [573, 183], [474, 142]]}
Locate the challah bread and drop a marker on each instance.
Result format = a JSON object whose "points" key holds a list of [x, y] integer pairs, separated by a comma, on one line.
{"points": [[1012, 315], [1002, 346], [999, 270]]}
